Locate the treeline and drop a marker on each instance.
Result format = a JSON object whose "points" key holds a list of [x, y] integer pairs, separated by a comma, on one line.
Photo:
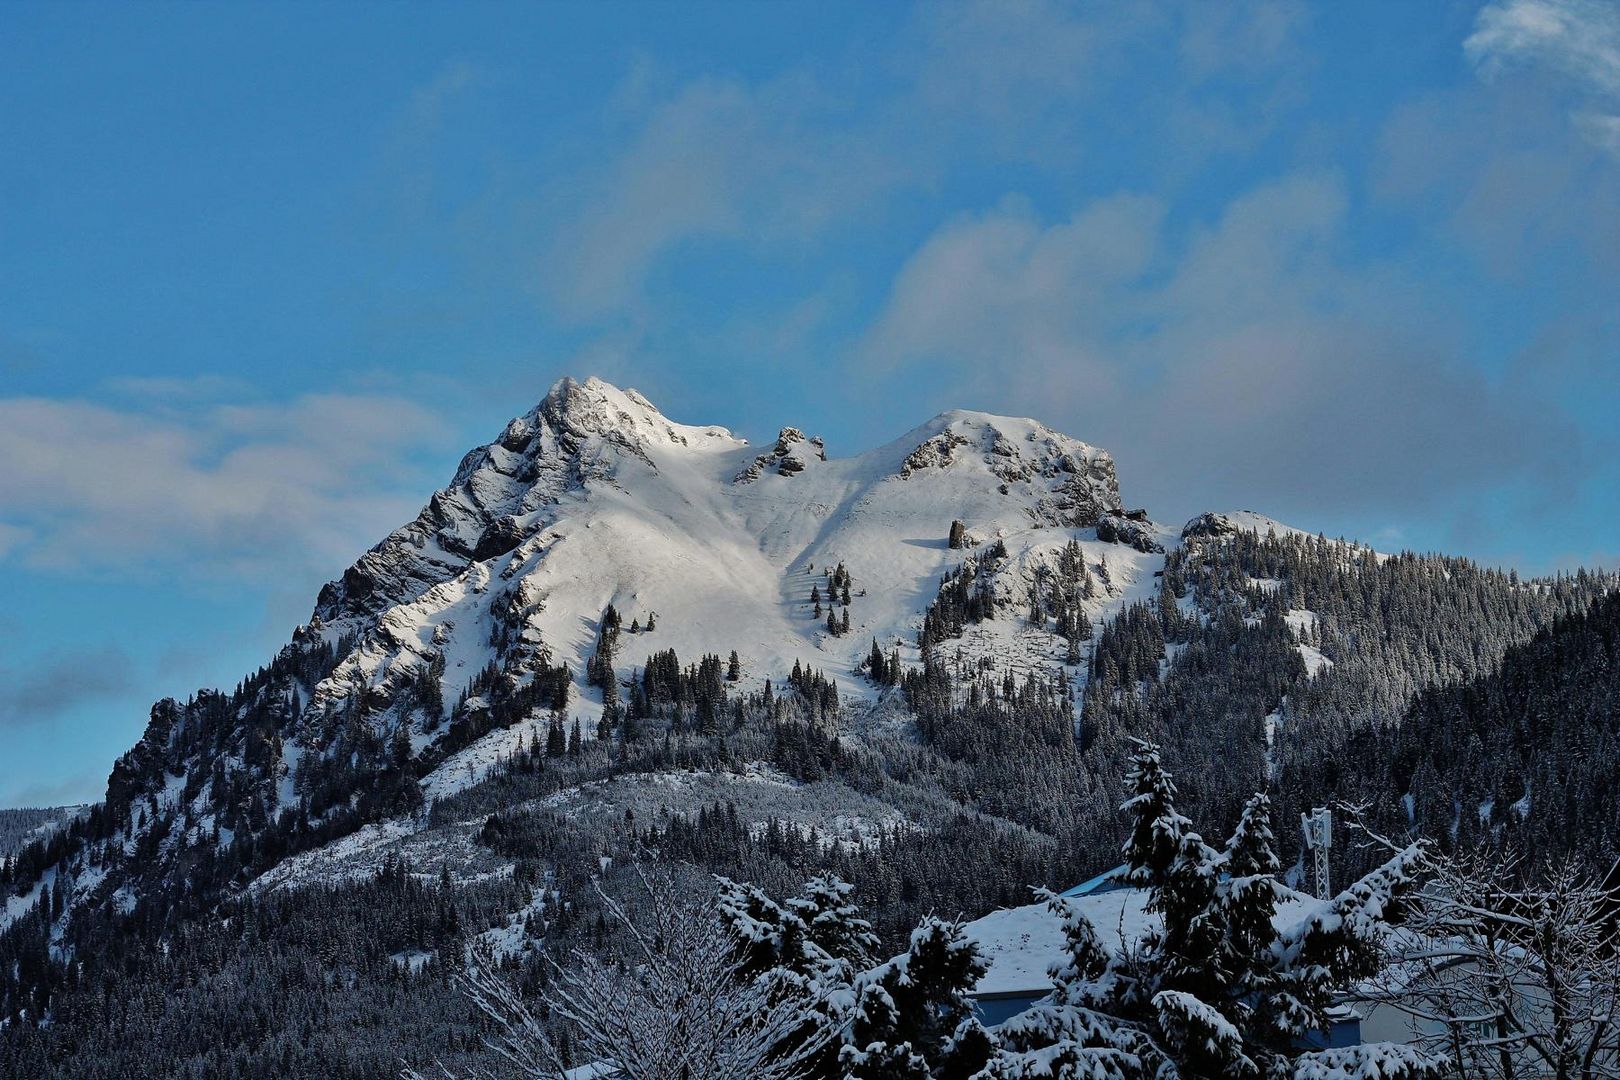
{"points": [[1214, 669], [1527, 755], [19, 826], [319, 982], [1003, 785]]}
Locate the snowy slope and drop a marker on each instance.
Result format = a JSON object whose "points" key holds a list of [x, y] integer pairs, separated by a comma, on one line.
{"points": [[1021, 943], [595, 498], [446, 641]]}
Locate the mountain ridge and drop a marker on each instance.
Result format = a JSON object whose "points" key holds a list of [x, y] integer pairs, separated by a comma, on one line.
{"points": [[593, 500], [920, 664], [613, 636], [596, 477]]}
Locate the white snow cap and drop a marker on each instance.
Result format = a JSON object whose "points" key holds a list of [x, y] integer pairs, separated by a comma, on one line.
{"points": [[597, 407]]}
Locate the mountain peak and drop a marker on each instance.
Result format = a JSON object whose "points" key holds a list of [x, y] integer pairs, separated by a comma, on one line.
{"points": [[1065, 481], [1010, 429], [597, 407]]}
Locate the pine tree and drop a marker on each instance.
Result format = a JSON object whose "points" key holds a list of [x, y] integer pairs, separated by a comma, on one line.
{"points": [[833, 923], [1156, 827], [878, 665], [913, 1017], [1215, 991], [1250, 849]]}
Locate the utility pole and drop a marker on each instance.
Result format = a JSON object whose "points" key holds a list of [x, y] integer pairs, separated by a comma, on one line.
{"points": [[1318, 829]]}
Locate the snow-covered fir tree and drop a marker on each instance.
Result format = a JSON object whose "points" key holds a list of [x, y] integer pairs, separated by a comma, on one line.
{"points": [[913, 1019], [1217, 991]]}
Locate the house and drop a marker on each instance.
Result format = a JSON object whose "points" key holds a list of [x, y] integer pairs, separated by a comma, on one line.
{"points": [[1022, 943]]}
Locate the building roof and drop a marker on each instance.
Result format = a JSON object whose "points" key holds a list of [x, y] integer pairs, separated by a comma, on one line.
{"points": [[1107, 881], [1021, 943]]}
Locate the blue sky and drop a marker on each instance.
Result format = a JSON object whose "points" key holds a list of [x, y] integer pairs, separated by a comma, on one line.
{"points": [[266, 272]]}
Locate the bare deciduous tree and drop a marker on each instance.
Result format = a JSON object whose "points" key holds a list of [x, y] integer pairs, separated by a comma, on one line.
{"points": [[676, 1006], [1508, 981]]}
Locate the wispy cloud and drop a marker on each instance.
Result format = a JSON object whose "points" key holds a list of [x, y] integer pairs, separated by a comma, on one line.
{"points": [[700, 166], [1579, 39], [773, 166], [1248, 357], [1513, 167], [49, 687], [204, 486]]}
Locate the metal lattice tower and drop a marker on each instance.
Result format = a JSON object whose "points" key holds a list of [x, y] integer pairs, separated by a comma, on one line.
{"points": [[1318, 828]]}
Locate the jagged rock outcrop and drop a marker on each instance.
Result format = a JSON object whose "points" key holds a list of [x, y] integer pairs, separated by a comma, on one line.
{"points": [[147, 758], [793, 450], [1066, 482], [1136, 531]]}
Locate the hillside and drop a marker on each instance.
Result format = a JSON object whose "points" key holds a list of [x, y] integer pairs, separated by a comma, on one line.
{"points": [[20, 826], [1527, 754], [612, 635]]}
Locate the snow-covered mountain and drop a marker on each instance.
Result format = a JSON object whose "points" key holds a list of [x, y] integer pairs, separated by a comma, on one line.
{"points": [[467, 633], [702, 543], [595, 499], [920, 667], [699, 541]]}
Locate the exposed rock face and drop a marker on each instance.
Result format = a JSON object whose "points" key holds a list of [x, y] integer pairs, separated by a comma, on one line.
{"points": [[150, 755], [1124, 529], [1208, 526], [936, 453], [579, 436], [792, 451], [1067, 482]]}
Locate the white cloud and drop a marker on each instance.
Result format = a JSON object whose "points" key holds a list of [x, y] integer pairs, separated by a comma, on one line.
{"points": [[1579, 39], [774, 166], [1005, 293], [1499, 168], [1247, 358], [217, 488], [681, 176]]}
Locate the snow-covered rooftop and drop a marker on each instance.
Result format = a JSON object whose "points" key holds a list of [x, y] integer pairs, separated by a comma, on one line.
{"points": [[1021, 943]]}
